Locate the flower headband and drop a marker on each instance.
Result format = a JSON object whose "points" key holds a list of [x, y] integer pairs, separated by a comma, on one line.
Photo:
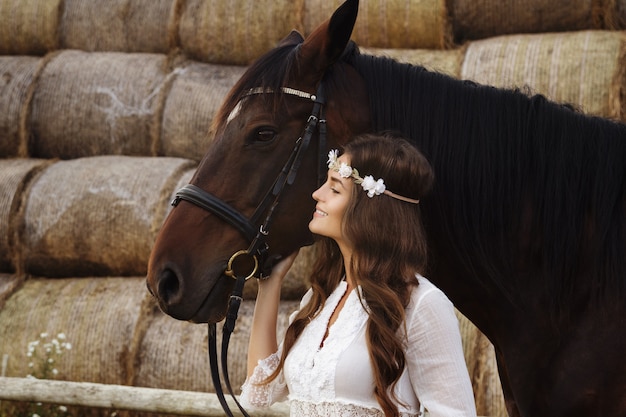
{"points": [[368, 183]]}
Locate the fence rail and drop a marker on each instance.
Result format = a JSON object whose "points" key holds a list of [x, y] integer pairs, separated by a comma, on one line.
{"points": [[121, 397]]}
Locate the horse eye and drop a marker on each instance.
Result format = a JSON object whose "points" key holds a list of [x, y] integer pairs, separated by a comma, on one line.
{"points": [[265, 135]]}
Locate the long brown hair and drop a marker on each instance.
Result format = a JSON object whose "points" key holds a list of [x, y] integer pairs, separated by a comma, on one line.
{"points": [[389, 247]]}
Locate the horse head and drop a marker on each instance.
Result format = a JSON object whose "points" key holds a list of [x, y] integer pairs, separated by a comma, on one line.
{"points": [[258, 130]]}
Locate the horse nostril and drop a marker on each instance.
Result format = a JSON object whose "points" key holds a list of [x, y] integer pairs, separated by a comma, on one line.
{"points": [[169, 286]]}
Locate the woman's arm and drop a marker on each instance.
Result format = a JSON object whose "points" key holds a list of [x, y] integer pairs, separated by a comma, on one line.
{"points": [[435, 357], [263, 341]]}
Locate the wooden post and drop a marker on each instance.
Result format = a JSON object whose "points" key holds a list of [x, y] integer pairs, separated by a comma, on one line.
{"points": [[121, 397]]}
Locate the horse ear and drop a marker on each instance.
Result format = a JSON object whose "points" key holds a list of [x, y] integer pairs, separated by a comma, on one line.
{"points": [[327, 42], [294, 38]]}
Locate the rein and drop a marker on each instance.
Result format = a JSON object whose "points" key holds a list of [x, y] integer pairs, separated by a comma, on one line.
{"points": [[258, 249]]}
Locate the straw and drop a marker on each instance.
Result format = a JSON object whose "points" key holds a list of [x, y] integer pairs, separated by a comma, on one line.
{"points": [[584, 69]]}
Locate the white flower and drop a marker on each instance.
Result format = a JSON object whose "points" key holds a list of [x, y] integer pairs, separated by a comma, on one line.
{"points": [[373, 187], [62, 408], [332, 158], [345, 170], [68, 346], [61, 336], [43, 335]]}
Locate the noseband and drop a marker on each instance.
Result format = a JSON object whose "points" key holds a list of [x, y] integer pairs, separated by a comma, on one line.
{"points": [[256, 235]]}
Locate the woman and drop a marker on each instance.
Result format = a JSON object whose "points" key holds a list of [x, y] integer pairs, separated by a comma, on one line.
{"points": [[372, 337]]}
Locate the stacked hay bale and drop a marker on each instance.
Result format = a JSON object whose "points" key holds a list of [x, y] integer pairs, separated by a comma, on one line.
{"points": [[106, 109]]}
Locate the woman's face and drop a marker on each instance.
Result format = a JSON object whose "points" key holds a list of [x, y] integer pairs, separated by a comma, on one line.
{"points": [[332, 200]]}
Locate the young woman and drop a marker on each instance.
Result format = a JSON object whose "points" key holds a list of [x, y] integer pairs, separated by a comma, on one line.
{"points": [[372, 337]]}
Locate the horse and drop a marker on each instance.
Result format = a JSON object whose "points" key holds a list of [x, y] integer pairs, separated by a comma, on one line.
{"points": [[526, 223]]}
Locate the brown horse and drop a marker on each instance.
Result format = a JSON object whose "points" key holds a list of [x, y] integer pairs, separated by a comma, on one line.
{"points": [[526, 224]]}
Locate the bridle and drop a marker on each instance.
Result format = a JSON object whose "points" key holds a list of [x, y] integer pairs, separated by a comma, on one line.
{"points": [[256, 235]]}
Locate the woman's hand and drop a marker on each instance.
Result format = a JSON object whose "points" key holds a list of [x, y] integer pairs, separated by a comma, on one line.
{"points": [[279, 271], [263, 331]]}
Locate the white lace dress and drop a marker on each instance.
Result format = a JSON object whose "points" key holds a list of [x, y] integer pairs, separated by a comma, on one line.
{"points": [[337, 379]]}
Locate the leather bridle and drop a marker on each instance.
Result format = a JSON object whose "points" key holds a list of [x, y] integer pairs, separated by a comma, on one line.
{"points": [[256, 235]]}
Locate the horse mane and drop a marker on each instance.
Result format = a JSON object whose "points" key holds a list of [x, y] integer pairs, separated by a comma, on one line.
{"points": [[529, 193], [269, 73]]}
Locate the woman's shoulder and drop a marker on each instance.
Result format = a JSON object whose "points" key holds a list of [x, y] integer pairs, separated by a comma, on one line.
{"points": [[427, 294]]}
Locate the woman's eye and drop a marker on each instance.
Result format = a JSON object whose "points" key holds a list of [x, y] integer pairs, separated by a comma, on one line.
{"points": [[265, 135]]}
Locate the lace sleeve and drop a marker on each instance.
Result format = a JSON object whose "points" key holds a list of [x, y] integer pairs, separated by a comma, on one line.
{"points": [[256, 394]]}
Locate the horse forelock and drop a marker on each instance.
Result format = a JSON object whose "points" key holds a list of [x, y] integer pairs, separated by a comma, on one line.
{"points": [[269, 72], [530, 194]]}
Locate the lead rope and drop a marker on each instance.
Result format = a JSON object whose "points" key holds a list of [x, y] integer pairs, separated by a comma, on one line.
{"points": [[237, 295], [229, 327]]}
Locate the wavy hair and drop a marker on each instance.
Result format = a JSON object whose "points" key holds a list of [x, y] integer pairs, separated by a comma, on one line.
{"points": [[389, 248]]}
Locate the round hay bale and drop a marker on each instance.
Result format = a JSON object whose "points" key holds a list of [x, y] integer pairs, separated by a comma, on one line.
{"points": [[407, 24], [196, 94], [585, 69], [29, 27], [96, 216], [621, 14], [174, 354], [97, 316], [17, 75], [443, 61], [483, 370], [614, 14], [90, 104], [478, 19], [15, 174], [236, 32], [118, 25], [9, 283]]}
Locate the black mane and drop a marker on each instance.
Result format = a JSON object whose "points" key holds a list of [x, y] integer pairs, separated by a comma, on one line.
{"points": [[529, 192]]}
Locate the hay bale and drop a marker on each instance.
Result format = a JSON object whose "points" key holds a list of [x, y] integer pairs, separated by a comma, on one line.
{"points": [[478, 19], [98, 317], [407, 24], [90, 104], [118, 25], [196, 94], [29, 27], [9, 283], [236, 32], [483, 370], [174, 354], [15, 174], [443, 61], [96, 216], [585, 69], [614, 13], [17, 75]]}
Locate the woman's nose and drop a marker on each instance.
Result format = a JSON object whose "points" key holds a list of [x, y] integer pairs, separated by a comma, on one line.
{"points": [[316, 194]]}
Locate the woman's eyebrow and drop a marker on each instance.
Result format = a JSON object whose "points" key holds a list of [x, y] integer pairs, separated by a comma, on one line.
{"points": [[338, 181]]}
